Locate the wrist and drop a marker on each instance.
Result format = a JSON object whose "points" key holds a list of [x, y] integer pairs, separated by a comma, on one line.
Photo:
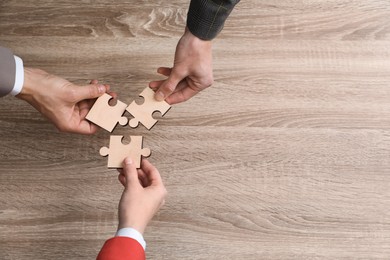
{"points": [[30, 81], [193, 38], [193, 46], [139, 227]]}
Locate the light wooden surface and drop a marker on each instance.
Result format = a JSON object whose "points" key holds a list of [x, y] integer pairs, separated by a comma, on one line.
{"points": [[287, 156]]}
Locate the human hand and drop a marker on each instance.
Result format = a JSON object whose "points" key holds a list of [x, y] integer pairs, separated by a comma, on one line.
{"points": [[143, 196], [192, 71], [62, 102]]}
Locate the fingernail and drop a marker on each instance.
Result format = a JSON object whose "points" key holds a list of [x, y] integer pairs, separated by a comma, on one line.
{"points": [[128, 160], [160, 96], [102, 88]]}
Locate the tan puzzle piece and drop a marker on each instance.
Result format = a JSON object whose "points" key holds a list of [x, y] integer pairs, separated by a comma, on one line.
{"points": [[144, 113], [119, 151], [106, 116]]}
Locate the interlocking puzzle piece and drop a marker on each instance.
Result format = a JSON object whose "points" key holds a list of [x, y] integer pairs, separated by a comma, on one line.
{"points": [[144, 113], [119, 151], [106, 116]]}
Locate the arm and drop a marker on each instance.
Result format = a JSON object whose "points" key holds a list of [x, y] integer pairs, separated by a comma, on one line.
{"points": [[10, 67], [206, 18], [192, 69], [63, 103], [143, 196]]}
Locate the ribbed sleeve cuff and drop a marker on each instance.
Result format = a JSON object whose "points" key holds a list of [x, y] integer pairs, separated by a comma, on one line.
{"points": [[206, 18]]}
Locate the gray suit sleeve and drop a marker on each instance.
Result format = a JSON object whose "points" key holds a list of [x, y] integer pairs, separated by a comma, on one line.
{"points": [[206, 18], [7, 71]]}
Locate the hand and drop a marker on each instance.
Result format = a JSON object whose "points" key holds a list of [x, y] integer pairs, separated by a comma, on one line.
{"points": [[192, 71], [62, 102], [143, 196]]}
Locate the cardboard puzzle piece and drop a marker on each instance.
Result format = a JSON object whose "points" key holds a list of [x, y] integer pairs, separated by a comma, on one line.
{"points": [[119, 151], [106, 116], [144, 113]]}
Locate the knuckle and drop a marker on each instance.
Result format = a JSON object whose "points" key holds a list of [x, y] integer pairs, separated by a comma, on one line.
{"points": [[209, 81], [93, 91]]}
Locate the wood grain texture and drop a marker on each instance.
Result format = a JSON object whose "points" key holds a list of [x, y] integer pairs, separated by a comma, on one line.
{"points": [[287, 156]]}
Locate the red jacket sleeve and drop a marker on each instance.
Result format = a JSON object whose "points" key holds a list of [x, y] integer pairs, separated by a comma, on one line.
{"points": [[121, 248]]}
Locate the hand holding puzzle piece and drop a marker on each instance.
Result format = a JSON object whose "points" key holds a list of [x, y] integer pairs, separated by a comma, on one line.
{"points": [[144, 113], [118, 151], [107, 117]]}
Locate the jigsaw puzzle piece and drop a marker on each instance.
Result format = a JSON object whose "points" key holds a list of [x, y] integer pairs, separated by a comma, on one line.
{"points": [[118, 151], [144, 113], [106, 116]]}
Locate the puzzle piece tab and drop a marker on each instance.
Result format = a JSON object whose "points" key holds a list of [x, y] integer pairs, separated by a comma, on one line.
{"points": [[119, 151], [144, 113], [106, 116]]}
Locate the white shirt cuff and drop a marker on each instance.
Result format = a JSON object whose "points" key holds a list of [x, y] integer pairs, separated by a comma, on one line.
{"points": [[131, 233], [19, 76]]}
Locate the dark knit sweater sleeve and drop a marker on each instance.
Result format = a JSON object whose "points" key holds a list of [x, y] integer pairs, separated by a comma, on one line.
{"points": [[206, 18]]}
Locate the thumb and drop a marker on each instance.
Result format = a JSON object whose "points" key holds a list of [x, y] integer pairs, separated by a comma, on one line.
{"points": [[90, 91], [130, 172], [168, 86]]}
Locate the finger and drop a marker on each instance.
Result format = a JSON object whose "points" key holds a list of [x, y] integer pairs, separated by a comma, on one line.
{"points": [[182, 84], [114, 95], [84, 127], [107, 88], [164, 71], [89, 91], [95, 81], [156, 84], [182, 95], [168, 86], [122, 179], [130, 172], [84, 107], [142, 178], [87, 104], [152, 174]]}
